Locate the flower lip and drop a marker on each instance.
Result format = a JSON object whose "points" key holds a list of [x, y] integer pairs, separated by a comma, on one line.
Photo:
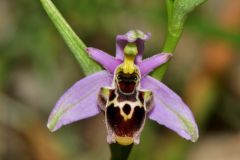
{"points": [[125, 127]]}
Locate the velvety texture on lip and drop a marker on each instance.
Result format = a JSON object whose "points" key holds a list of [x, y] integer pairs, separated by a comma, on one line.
{"points": [[121, 127]]}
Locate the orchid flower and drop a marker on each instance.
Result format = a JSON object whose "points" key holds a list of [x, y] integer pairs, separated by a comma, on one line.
{"points": [[125, 94]]}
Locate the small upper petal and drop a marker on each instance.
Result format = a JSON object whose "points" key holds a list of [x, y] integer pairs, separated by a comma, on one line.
{"points": [[149, 64], [106, 60], [79, 101], [136, 36], [169, 109]]}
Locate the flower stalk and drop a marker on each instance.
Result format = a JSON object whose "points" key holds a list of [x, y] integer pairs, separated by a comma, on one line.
{"points": [[120, 152]]}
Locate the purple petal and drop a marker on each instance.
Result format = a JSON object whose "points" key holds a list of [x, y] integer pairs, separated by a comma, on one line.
{"points": [[131, 36], [80, 101], [149, 64], [106, 60], [169, 110]]}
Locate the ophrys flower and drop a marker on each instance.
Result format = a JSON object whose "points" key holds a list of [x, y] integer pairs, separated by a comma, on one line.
{"points": [[126, 95]]}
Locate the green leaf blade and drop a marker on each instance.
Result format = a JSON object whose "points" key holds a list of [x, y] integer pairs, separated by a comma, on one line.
{"points": [[177, 12], [75, 44]]}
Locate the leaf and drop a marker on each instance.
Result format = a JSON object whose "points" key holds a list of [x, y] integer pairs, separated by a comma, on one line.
{"points": [[75, 44], [177, 13]]}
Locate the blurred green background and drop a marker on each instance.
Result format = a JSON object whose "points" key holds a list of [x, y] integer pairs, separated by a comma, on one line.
{"points": [[36, 67]]}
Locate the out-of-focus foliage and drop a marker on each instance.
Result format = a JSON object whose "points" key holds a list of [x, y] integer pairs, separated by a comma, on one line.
{"points": [[36, 67]]}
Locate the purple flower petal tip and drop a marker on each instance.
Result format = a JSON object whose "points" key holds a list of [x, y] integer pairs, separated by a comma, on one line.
{"points": [[79, 101], [149, 64], [169, 110], [106, 60]]}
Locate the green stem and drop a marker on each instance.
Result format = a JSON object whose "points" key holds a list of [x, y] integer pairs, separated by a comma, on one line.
{"points": [[170, 43], [169, 47], [120, 152]]}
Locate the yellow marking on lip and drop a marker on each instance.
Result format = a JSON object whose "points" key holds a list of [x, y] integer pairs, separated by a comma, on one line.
{"points": [[124, 140], [126, 117]]}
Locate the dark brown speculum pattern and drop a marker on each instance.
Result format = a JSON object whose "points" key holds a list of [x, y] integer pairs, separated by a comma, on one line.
{"points": [[123, 127]]}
